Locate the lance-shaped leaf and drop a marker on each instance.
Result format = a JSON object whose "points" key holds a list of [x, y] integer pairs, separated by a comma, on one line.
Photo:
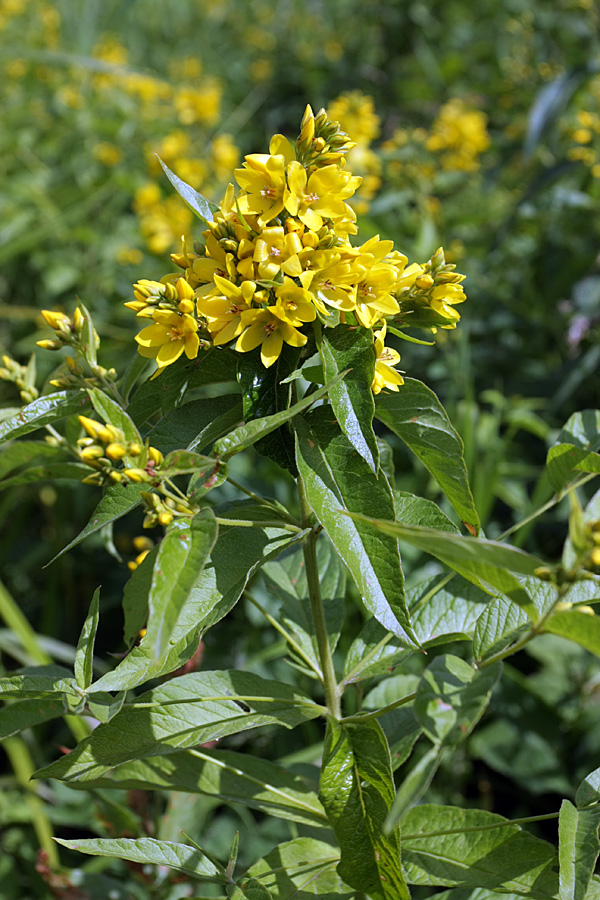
{"points": [[182, 555], [16, 717], [111, 412], [146, 850], [349, 349], [301, 869], [413, 510], [478, 560], [38, 681], [199, 205], [576, 448], [452, 847], [357, 791], [452, 696], [44, 411], [197, 424], [246, 435], [118, 500], [578, 849], [186, 462], [159, 395], [335, 478], [234, 559], [28, 453], [225, 775], [51, 472], [182, 713], [416, 415], [588, 791], [500, 624], [581, 627], [84, 655]]}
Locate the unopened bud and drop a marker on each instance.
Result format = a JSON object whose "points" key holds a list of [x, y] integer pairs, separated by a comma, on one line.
{"points": [[57, 321], [134, 449], [155, 455], [91, 453], [49, 345], [78, 320], [137, 475], [424, 281], [165, 518], [115, 451], [115, 476]]}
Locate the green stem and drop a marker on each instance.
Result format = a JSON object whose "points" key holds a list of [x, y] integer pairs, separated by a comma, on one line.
{"points": [[538, 512], [309, 546], [260, 523], [364, 717]]}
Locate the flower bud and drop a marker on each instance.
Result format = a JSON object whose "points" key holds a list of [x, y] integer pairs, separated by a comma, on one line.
{"points": [[57, 321], [137, 475], [78, 320], [134, 449], [91, 453], [49, 345], [90, 426], [115, 451], [115, 476], [165, 518], [155, 455]]}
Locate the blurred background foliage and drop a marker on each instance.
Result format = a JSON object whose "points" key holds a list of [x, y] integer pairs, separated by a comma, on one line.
{"points": [[477, 127]]}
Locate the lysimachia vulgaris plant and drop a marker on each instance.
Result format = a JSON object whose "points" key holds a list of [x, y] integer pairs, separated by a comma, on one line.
{"points": [[271, 338]]}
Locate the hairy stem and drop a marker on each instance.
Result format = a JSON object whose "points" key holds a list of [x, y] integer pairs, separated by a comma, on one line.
{"points": [[309, 546]]}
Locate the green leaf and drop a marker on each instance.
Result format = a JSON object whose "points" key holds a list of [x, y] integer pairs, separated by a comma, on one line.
{"points": [[227, 776], [476, 559], [28, 453], [503, 859], [135, 598], [578, 849], [357, 791], [415, 784], [184, 462], [300, 870], [199, 205], [501, 624], [111, 412], [181, 714], [246, 435], [413, 510], [84, 655], [287, 581], [50, 472], [251, 889], [117, 501], [416, 415], [38, 681], [336, 477], [589, 789], [196, 424], [182, 555], [146, 850], [44, 411], [452, 697], [162, 394], [15, 717], [580, 627], [575, 449], [88, 337], [350, 349], [237, 554]]}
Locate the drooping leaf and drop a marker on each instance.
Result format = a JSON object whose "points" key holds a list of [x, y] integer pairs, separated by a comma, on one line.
{"points": [[335, 478], [199, 205], [196, 424], [181, 714], [578, 849], [225, 775], [350, 349], [51, 472], [84, 655], [452, 696], [300, 870], [117, 501], [234, 559], [416, 415], [357, 790], [575, 449], [504, 859], [179, 857], [581, 627], [478, 560], [38, 681], [16, 717], [44, 411]]}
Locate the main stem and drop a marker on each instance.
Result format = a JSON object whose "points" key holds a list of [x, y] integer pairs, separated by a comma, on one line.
{"points": [[309, 546]]}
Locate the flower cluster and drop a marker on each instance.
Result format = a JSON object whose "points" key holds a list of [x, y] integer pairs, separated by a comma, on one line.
{"points": [[104, 448], [278, 257]]}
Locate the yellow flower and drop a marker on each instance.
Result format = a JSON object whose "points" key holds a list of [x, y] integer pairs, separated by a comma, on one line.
{"points": [[330, 279], [294, 303], [378, 283], [275, 250], [267, 328], [169, 336], [223, 309], [319, 195], [263, 179], [385, 375], [443, 298]]}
